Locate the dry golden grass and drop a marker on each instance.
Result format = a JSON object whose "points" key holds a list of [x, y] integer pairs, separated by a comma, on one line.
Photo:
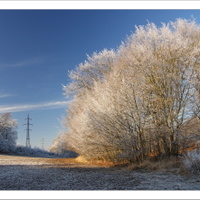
{"points": [[82, 159], [170, 164], [79, 161], [62, 160]]}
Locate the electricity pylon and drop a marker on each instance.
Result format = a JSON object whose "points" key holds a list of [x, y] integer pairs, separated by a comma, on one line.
{"points": [[42, 143], [28, 144]]}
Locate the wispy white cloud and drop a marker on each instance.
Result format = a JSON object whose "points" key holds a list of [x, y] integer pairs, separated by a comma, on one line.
{"points": [[28, 107], [5, 95], [22, 63]]}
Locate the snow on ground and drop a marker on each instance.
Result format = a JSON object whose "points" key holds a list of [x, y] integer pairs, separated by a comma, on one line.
{"points": [[31, 173]]}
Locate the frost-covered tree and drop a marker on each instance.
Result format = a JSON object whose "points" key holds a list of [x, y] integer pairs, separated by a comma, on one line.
{"points": [[8, 133], [95, 68], [112, 120], [196, 100], [59, 144], [132, 102], [165, 59]]}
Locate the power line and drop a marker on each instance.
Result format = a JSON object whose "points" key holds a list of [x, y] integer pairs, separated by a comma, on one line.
{"points": [[28, 144]]}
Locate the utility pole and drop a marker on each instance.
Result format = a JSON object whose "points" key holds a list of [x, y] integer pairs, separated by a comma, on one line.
{"points": [[42, 143], [28, 144]]}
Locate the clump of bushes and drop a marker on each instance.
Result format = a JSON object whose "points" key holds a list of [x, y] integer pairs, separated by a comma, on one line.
{"points": [[60, 147], [131, 103], [34, 152]]}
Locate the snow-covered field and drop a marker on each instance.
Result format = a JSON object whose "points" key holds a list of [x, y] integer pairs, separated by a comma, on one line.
{"points": [[31, 173]]}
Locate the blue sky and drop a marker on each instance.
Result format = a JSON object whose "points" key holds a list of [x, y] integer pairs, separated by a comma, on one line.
{"points": [[39, 47]]}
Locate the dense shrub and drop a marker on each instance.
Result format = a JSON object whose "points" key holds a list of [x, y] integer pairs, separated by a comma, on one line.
{"points": [[131, 103], [60, 148]]}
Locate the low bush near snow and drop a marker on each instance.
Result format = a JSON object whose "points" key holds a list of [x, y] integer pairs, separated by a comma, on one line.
{"points": [[36, 152], [192, 162]]}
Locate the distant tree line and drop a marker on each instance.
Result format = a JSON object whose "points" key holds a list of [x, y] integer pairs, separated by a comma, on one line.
{"points": [[132, 102], [8, 139]]}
